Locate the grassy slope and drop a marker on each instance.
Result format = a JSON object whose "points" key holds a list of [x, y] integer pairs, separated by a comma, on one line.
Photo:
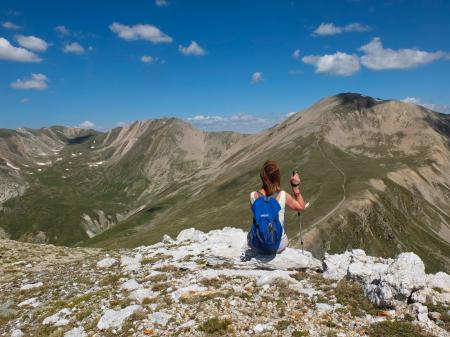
{"points": [[225, 202], [400, 220], [54, 204]]}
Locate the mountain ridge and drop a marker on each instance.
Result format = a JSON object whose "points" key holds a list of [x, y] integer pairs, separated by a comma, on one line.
{"points": [[174, 287], [134, 183]]}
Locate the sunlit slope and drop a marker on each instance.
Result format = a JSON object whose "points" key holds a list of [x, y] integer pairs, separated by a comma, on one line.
{"points": [[376, 173]]}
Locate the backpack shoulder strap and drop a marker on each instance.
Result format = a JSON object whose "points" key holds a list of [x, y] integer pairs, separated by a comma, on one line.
{"points": [[274, 195]]}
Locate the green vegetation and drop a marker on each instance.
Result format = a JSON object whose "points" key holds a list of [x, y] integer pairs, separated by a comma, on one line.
{"points": [[282, 325], [396, 329], [382, 221], [444, 311], [215, 326], [351, 295]]}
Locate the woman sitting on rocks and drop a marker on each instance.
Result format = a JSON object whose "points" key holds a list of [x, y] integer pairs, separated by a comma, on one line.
{"points": [[268, 234]]}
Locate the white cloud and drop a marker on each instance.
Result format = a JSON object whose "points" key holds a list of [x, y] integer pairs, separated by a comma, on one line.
{"points": [[32, 42], [289, 114], [140, 32], [340, 64], [24, 100], [332, 29], [411, 100], [86, 125], [239, 122], [257, 77], [161, 3], [444, 108], [147, 59], [296, 54], [327, 29], [62, 30], [74, 48], [357, 27], [192, 49], [10, 53], [376, 57], [10, 25], [35, 82]]}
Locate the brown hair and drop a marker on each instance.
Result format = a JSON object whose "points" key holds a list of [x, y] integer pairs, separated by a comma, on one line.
{"points": [[270, 177]]}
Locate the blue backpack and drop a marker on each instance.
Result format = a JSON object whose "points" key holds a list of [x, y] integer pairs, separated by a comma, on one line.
{"points": [[266, 232]]}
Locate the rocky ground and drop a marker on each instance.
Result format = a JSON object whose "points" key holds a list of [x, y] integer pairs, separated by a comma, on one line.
{"points": [[209, 284]]}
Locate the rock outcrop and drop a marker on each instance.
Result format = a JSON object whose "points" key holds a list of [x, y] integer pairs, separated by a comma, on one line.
{"points": [[209, 283], [388, 282]]}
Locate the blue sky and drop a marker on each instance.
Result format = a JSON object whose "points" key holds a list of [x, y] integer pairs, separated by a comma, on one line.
{"points": [[241, 65]]}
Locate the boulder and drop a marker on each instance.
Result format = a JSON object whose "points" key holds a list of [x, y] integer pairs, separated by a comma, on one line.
{"points": [[139, 295], [114, 319], [229, 245], [76, 332], [160, 318], [130, 285], [106, 263], [402, 277], [130, 263], [58, 319], [439, 280], [31, 286], [17, 333]]}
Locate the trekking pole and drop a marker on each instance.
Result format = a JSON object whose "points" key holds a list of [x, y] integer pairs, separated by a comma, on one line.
{"points": [[301, 230], [300, 220], [301, 226]]}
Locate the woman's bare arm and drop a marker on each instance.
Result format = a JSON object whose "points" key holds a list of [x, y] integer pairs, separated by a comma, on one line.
{"points": [[296, 203]]}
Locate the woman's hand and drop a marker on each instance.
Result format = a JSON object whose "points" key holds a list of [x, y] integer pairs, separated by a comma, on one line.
{"points": [[295, 179]]}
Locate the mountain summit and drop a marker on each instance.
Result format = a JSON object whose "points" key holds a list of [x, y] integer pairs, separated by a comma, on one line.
{"points": [[376, 173], [211, 284]]}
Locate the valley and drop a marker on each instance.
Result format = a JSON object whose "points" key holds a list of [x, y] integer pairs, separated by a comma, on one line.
{"points": [[376, 173]]}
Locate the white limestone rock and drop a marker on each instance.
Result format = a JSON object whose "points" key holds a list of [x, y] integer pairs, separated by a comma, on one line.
{"points": [[421, 311], [190, 234], [31, 286], [17, 333], [194, 288], [106, 263], [76, 332], [335, 266], [229, 245], [130, 285], [439, 280], [140, 294], [403, 276], [324, 307], [32, 302], [167, 239], [58, 319], [160, 318], [129, 263], [188, 324], [289, 259], [258, 328], [114, 319], [274, 276]]}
